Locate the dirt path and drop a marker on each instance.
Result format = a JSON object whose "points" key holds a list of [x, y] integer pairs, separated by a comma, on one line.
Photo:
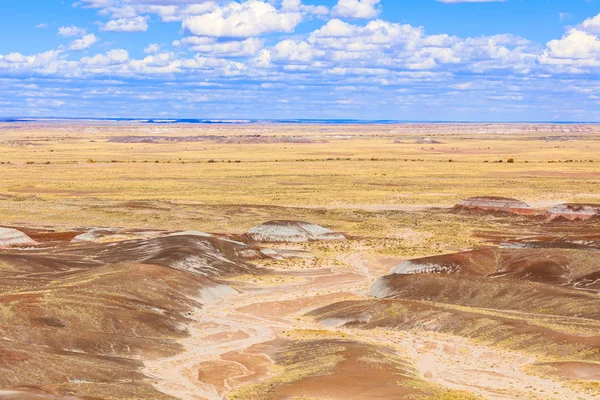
{"points": [[258, 314]]}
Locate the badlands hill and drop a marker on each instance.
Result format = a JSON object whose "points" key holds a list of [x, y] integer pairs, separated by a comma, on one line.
{"points": [[291, 232]]}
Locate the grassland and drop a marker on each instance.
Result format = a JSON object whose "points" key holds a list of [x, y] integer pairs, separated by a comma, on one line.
{"points": [[54, 173]]}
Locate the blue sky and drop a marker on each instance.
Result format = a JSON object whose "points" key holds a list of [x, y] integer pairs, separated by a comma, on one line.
{"points": [[512, 60]]}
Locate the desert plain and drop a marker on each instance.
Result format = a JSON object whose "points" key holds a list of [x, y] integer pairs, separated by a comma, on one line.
{"points": [[299, 261]]}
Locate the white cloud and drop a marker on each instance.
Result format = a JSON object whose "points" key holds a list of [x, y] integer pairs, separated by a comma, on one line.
{"points": [[84, 43], [152, 48], [243, 20], [112, 57], [231, 48], [577, 51], [71, 31], [356, 9], [381, 45], [44, 102], [48, 63], [592, 25], [374, 55], [576, 48], [563, 16], [15, 58], [136, 24], [41, 26]]}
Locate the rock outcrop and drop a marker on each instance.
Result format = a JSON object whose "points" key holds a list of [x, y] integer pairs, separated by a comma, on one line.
{"points": [[291, 232], [574, 211]]}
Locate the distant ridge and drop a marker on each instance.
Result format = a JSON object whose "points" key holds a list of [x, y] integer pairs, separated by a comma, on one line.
{"points": [[274, 121]]}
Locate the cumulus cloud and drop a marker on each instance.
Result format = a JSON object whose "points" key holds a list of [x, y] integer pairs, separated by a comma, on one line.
{"points": [[230, 48], [112, 57], [592, 25], [345, 48], [70, 31], [135, 24], [578, 48], [15, 58], [152, 48], [356, 9], [84, 43], [243, 20]]}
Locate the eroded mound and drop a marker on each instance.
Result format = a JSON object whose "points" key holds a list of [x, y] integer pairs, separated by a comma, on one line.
{"points": [[554, 266], [98, 309], [573, 211], [427, 140], [548, 336], [483, 292], [291, 232], [494, 204], [112, 235], [201, 255], [13, 238], [335, 369], [472, 262]]}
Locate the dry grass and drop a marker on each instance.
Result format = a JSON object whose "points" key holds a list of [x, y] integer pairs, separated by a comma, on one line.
{"points": [[363, 172], [74, 177], [453, 395]]}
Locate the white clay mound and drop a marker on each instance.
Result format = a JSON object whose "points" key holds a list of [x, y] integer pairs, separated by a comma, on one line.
{"points": [[14, 238], [191, 233], [291, 232], [110, 236]]}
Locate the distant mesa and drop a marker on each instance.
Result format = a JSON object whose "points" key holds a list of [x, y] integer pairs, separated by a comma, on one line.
{"points": [[239, 139], [495, 204], [14, 238], [573, 211], [427, 140], [291, 232], [259, 139], [559, 139]]}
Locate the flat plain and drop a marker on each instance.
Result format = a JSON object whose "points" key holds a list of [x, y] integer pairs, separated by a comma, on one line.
{"points": [[507, 310]]}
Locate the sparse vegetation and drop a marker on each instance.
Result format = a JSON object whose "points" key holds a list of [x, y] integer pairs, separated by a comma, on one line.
{"points": [[453, 395], [383, 197]]}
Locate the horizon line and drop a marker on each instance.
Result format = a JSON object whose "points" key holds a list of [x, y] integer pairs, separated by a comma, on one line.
{"points": [[167, 120]]}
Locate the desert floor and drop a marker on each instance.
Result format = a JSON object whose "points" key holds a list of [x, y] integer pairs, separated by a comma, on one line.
{"points": [[105, 320]]}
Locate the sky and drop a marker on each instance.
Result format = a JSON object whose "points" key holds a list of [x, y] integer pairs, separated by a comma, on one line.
{"points": [[417, 60]]}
